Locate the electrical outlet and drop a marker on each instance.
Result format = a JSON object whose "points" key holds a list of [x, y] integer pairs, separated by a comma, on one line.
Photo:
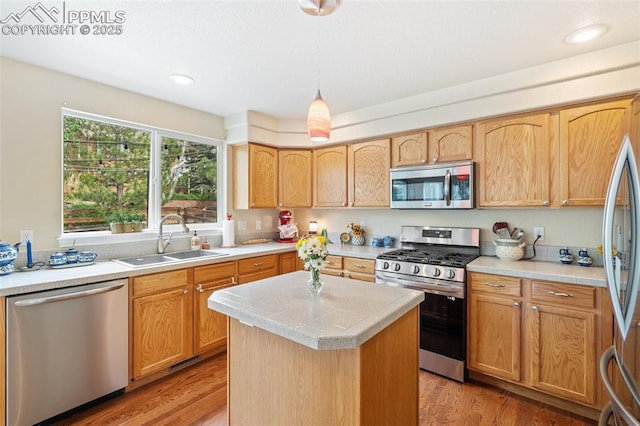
{"points": [[258, 224], [242, 225], [538, 231], [26, 235]]}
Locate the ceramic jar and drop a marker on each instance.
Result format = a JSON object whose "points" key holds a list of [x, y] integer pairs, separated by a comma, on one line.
{"points": [[508, 249], [87, 256], [8, 254], [57, 259], [377, 242], [388, 241], [566, 258], [72, 255], [583, 258], [357, 240]]}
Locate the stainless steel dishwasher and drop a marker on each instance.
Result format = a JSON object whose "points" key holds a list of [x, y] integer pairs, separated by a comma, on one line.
{"points": [[65, 348]]}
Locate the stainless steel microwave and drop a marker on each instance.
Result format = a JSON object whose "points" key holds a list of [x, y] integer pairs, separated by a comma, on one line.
{"points": [[440, 186]]}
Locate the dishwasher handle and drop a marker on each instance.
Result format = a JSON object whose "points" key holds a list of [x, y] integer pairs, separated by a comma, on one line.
{"points": [[68, 296]]}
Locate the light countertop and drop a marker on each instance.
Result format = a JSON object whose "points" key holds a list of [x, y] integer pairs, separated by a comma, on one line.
{"points": [[105, 270], [551, 271], [343, 316]]}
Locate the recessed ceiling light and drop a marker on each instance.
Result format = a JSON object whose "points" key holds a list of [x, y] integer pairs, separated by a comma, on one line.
{"points": [[586, 34], [182, 79]]}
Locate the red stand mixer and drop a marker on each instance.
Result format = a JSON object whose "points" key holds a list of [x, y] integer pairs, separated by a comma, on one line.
{"points": [[288, 231]]}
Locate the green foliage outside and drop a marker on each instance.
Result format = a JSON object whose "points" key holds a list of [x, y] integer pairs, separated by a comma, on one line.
{"points": [[107, 173]]}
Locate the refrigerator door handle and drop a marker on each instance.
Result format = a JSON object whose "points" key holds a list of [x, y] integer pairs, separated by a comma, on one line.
{"points": [[616, 405]]}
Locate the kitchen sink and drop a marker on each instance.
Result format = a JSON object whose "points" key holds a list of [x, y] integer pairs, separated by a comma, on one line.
{"points": [[157, 259]]}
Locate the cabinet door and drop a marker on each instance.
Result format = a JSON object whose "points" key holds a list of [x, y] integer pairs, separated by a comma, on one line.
{"points": [[162, 330], [590, 137], [330, 176], [290, 262], [495, 329], [563, 352], [210, 327], [263, 175], [451, 144], [369, 174], [295, 178], [409, 150], [513, 162]]}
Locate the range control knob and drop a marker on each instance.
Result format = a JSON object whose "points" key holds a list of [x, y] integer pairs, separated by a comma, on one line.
{"points": [[416, 269], [450, 274], [434, 272], [385, 265], [396, 267]]}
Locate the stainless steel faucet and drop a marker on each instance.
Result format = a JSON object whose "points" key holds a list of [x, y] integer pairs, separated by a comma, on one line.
{"points": [[163, 244]]}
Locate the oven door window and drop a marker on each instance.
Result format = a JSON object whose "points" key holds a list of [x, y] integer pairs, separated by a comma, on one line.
{"points": [[442, 326]]}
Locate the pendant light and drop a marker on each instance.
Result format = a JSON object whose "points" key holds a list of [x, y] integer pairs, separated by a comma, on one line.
{"points": [[318, 116]]}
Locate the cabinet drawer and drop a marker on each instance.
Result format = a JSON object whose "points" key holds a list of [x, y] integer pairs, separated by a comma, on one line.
{"points": [[334, 262], [257, 268], [577, 296], [496, 284], [153, 283], [223, 273], [363, 266]]}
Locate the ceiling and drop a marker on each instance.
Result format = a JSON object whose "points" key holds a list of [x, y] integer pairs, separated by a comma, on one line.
{"points": [[262, 55]]}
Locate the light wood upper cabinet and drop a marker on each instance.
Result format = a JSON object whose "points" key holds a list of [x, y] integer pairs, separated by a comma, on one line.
{"points": [[514, 161], [409, 150], [162, 321], [451, 144], [210, 327], [369, 174], [330, 176], [255, 171], [590, 137], [295, 178]]}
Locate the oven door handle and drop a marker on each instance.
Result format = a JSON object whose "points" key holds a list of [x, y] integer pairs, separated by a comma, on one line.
{"points": [[440, 288]]}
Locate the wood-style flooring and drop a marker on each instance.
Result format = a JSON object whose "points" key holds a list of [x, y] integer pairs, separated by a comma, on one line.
{"points": [[197, 396]]}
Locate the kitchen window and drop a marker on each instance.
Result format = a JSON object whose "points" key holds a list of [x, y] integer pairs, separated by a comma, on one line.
{"points": [[120, 172]]}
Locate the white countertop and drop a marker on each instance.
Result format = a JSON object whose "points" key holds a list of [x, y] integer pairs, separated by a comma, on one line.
{"points": [[551, 271], [105, 270], [343, 316]]}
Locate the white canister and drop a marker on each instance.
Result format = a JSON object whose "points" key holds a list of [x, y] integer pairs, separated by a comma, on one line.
{"points": [[228, 236], [507, 249]]}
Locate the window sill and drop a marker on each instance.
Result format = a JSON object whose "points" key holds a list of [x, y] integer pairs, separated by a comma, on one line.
{"points": [[79, 239]]}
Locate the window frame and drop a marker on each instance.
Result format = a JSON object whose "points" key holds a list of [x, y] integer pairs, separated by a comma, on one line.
{"points": [[154, 196]]}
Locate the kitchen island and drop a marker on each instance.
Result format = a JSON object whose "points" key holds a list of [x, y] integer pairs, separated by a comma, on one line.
{"points": [[346, 356]]}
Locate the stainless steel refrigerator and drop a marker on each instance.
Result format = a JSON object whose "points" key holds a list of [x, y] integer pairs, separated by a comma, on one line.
{"points": [[620, 364]]}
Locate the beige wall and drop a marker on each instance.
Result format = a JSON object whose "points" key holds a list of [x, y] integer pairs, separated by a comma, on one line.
{"points": [[31, 99]]}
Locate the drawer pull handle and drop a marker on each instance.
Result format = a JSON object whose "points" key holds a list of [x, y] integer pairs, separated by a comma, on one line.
{"points": [[494, 285], [233, 280], [329, 262], [358, 265], [555, 293], [257, 264]]}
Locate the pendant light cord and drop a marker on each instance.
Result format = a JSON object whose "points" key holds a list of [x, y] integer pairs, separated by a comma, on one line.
{"points": [[318, 46]]}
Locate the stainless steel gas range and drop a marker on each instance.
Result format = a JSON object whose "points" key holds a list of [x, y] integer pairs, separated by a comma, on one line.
{"points": [[434, 260]]}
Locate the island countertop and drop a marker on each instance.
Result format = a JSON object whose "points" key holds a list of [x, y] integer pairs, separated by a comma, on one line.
{"points": [[343, 316]]}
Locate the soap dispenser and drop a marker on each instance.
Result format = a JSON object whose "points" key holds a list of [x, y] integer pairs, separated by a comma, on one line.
{"points": [[195, 241]]}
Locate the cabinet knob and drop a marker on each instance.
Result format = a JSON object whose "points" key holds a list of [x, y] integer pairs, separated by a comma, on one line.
{"points": [[545, 203], [535, 308], [565, 202], [185, 291], [346, 274], [344, 204], [199, 288], [423, 161], [351, 204], [233, 280], [516, 304]]}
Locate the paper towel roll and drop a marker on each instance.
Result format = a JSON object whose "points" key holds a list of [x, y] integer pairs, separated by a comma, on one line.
{"points": [[228, 236]]}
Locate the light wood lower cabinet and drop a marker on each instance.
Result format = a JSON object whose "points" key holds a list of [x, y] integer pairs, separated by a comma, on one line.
{"points": [[333, 266], [210, 327], [359, 269], [543, 335], [257, 268], [162, 312], [290, 262]]}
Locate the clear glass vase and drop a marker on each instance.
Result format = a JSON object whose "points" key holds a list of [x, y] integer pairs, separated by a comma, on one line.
{"points": [[315, 283]]}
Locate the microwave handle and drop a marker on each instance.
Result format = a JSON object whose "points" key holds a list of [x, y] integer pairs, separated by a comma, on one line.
{"points": [[447, 187]]}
